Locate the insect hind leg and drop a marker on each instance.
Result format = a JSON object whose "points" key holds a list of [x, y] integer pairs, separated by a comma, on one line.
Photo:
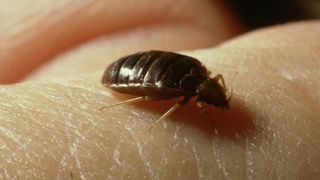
{"points": [[129, 101], [170, 111]]}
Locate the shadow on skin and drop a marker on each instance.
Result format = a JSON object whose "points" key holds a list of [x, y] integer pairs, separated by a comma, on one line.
{"points": [[229, 123]]}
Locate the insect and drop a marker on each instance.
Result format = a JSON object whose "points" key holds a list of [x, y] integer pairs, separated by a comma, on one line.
{"points": [[157, 75]]}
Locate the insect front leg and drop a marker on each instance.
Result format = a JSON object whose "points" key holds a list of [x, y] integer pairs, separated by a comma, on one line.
{"points": [[220, 77], [170, 111], [217, 78]]}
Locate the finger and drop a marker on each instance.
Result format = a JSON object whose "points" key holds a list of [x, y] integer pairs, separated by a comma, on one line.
{"points": [[277, 85], [58, 121], [124, 26]]}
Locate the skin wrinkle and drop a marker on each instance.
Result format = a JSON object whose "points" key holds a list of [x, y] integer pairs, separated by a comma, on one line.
{"points": [[116, 159], [63, 167], [73, 146], [116, 154], [163, 163], [21, 145], [121, 139], [141, 154], [277, 134], [66, 124], [165, 155], [11, 136], [71, 150], [174, 138], [219, 162], [71, 129], [252, 91], [282, 94], [197, 159], [297, 87], [71, 143], [249, 161]]}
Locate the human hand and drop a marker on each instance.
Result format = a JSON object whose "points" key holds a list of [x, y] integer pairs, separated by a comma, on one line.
{"points": [[53, 127]]}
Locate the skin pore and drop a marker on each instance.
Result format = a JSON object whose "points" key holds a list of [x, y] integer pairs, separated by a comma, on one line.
{"points": [[51, 126]]}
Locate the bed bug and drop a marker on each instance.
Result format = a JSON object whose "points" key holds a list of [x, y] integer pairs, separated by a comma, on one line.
{"points": [[157, 75]]}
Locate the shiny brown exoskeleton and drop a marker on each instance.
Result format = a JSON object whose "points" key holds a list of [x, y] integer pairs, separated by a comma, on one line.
{"points": [[156, 75]]}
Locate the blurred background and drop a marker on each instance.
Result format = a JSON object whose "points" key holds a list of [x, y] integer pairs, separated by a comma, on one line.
{"points": [[45, 39], [255, 14]]}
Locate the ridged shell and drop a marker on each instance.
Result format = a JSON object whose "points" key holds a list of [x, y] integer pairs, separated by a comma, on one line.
{"points": [[155, 73]]}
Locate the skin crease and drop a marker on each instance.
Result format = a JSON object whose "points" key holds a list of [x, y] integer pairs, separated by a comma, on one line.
{"points": [[53, 128]]}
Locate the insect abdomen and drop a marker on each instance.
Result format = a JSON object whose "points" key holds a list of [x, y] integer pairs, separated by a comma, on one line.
{"points": [[157, 71]]}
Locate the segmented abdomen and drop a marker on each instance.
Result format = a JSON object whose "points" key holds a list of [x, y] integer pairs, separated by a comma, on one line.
{"points": [[155, 73]]}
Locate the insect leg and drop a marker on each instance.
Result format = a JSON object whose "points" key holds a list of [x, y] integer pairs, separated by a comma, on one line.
{"points": [[170, 111], [218, 77], [129, 101]]}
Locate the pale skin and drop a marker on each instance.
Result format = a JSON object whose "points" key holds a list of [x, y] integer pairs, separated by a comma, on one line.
{"points": [[51, 126]]}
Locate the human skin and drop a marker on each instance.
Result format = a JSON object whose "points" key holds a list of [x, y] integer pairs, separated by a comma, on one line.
{"points": [[51, 126]]}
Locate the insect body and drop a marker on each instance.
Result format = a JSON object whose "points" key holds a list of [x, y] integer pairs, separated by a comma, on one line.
{"points": [[156, 75]]}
